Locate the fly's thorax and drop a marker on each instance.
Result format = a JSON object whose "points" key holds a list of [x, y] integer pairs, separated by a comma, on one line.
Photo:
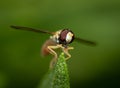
{"points": [[56, 36]]}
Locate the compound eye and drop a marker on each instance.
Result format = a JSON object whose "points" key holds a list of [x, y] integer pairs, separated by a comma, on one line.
{"points": [[66, 36]]}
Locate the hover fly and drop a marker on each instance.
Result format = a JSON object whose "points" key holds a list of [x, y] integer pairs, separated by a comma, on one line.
{"points": [[59, 39]]}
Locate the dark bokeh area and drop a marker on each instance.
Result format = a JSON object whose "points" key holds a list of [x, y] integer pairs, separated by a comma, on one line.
{"points": [[22, 66]]}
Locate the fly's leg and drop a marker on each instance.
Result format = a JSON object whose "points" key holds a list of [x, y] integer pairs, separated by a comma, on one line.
{"points": [[51, 51], [65, 50]]}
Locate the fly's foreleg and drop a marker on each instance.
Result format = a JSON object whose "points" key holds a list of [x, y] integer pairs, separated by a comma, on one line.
{"points": [[51, 51], [65, 50]]}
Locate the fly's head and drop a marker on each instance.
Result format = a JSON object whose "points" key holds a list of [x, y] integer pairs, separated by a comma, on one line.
{"points": [[63, 37]]}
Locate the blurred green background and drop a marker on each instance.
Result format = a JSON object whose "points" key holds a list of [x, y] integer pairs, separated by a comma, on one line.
{"points": [[21, 65]]}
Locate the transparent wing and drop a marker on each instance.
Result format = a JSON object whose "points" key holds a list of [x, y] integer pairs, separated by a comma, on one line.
{"points": [[85, 41], [31, 29]]}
